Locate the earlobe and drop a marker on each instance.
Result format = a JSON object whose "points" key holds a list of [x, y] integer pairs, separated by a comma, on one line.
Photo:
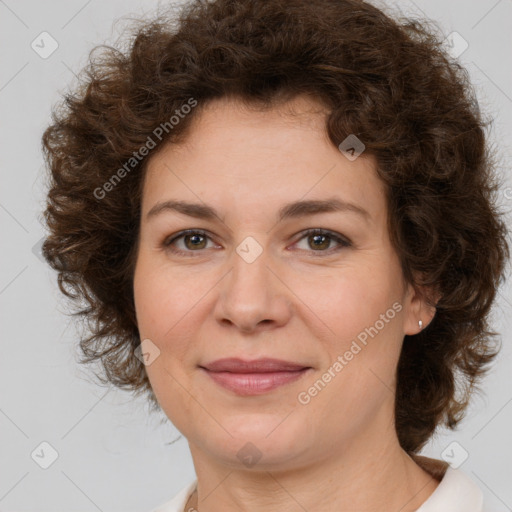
{"points": [[427, 313], [420, 309]]}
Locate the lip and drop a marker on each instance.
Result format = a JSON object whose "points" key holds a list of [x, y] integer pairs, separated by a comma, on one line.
{"points": [[253, 377], [262, 365]]}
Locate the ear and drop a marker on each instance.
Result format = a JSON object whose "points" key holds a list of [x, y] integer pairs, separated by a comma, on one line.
{"points": [[419, 304]]}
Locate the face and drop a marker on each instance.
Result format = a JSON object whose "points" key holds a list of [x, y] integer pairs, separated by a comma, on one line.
{"points": [[242, 276]]}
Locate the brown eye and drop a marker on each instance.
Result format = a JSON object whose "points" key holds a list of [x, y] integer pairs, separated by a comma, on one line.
{"points": [[196, 241], [321, 241], [187, 242]]}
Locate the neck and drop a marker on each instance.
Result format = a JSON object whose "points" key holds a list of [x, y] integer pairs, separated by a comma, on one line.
{"points": [[346, 481]]}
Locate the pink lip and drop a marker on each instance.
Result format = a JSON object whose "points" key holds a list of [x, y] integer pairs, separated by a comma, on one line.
{"points": [[253, 377], [262, 365]]}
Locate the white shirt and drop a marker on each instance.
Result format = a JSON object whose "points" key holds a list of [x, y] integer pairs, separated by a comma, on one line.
{"points": [[456, 492]]}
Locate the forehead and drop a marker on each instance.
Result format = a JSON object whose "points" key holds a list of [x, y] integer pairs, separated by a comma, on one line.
{"points": [[228, 120], [241, 156]]}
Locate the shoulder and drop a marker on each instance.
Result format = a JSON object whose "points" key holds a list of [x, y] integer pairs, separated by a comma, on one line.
{"points": [[177, 504]]}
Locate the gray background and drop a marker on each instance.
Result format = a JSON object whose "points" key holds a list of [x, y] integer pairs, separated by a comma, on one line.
{"points": [[111, 455]]}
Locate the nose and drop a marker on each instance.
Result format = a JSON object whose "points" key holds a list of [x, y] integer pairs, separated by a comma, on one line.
{"points": [[253, 296]]}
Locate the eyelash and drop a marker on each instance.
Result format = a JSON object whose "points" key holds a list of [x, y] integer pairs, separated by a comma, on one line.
{"points": [[343, 242]]}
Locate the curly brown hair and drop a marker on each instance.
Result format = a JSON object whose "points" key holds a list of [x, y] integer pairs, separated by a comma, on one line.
{"points": [[388, 81]]}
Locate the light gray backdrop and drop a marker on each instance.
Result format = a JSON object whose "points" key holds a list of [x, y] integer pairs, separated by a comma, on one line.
{"points": [[108, 455]]}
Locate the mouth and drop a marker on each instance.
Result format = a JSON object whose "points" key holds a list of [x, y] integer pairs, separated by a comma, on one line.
{"points": [[253, 377]]}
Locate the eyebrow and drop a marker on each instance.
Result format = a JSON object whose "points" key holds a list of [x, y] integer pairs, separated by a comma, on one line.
{"points": [[296, 209]]}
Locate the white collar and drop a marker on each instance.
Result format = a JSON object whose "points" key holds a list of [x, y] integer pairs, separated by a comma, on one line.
{"points": [[456, 492]]}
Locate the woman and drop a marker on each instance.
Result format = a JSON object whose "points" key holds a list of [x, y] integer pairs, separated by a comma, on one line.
{"points": [[281, 218]]}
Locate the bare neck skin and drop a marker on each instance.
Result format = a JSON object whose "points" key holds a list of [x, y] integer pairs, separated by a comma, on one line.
{"points": [[366, 475]]}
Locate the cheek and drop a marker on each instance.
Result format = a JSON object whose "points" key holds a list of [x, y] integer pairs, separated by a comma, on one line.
{"points": [[170, 305], [161, 306], [161, 298], [348, 302], [360, 312]]}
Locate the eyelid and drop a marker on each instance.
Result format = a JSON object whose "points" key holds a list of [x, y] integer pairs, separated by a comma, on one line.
{"points": [[168, 241], [340, 239]]}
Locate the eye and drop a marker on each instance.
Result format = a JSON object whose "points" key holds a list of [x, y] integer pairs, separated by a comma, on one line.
{"points": [[193, 240], [320, 240]]}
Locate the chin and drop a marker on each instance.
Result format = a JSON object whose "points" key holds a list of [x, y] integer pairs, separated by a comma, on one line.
{"points": [[257, 454], [267, 439]]}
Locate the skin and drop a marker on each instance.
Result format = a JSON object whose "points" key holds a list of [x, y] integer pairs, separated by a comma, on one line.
{"points": [[295, 302]]}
